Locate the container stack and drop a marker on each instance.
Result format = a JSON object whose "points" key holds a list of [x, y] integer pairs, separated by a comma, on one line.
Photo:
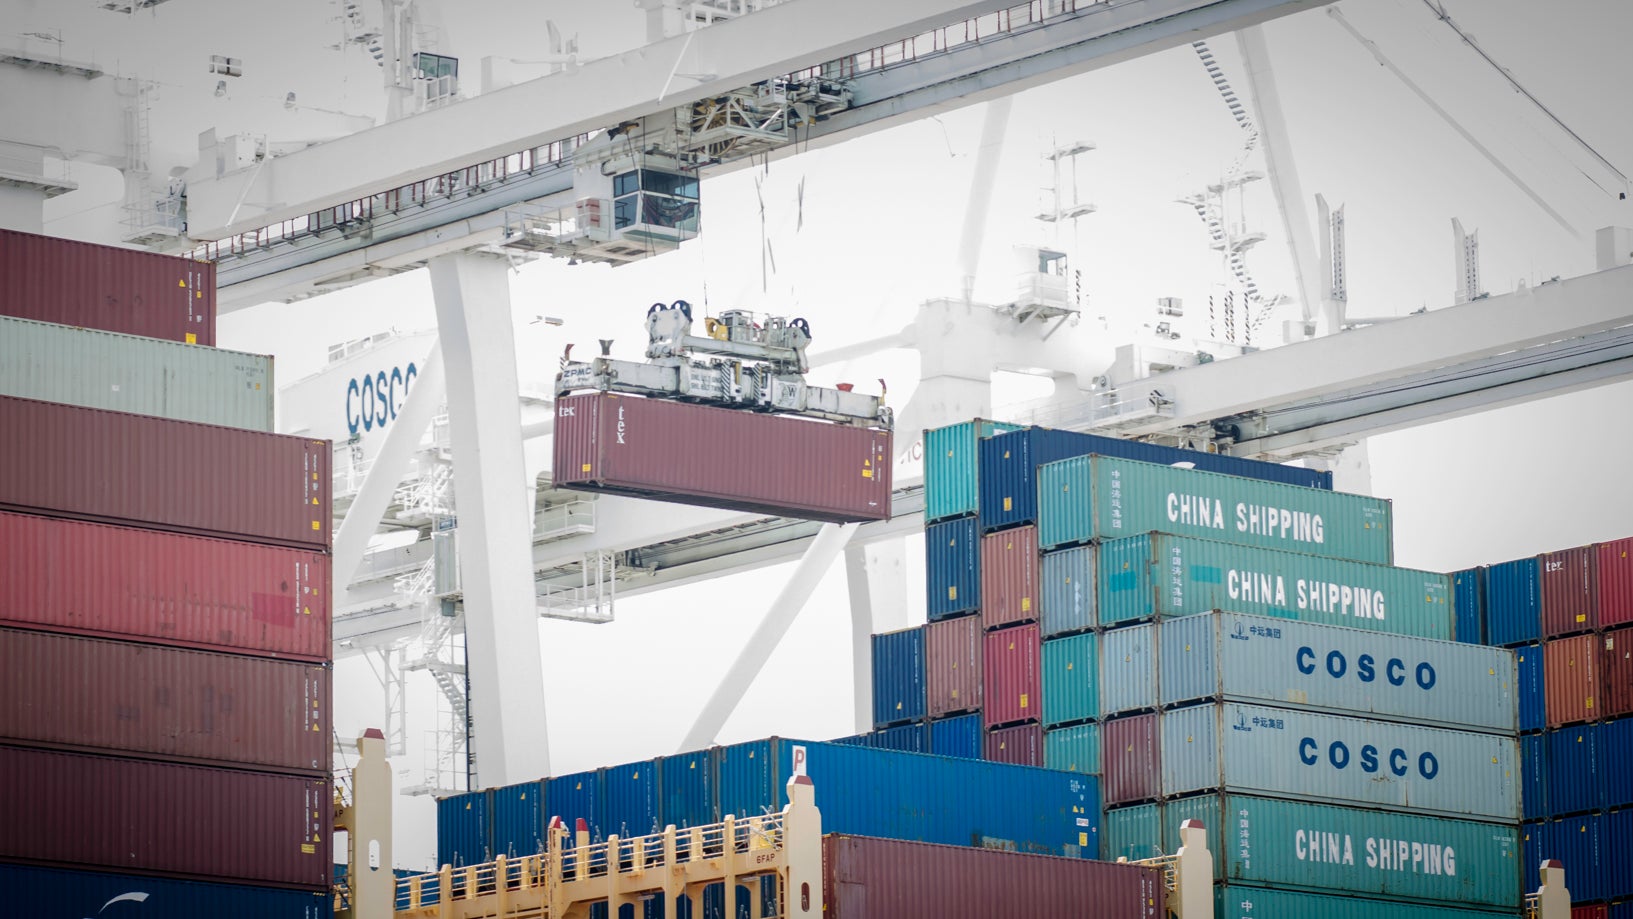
{"points": [[1568, 616], [164, 635]]}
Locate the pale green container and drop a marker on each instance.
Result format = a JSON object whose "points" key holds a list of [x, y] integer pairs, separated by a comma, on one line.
{"points": [[1073, 749], [1132, 833], [1104, 497], [1240, 901], [1071, 679], [951, 467], [128, 373], [1159, 576]]}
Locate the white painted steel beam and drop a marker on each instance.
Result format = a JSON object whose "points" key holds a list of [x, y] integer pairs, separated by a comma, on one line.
{"points": [[506, 672]]}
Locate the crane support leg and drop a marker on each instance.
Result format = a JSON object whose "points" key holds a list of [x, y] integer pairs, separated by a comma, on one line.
{"points": [[877, 581], [472, 294]]}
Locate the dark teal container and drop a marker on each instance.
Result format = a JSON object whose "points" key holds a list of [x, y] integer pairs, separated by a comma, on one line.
{"points": [[952, 568], [1073, 749], [1239, 901], [1071, 679]]}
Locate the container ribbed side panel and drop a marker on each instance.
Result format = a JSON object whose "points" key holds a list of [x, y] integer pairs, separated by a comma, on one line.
{"points": [[1067, 589], [1571, 668], [898, 677], [1133, 832], [1239, 901], [464, 829], [1570, 591], [1616, 582], [1532, 668], [1575, 784], [629, 799], [1012, 683], [1073, 749], [517, 816], [1534, 776], [1009, 577], [952, 568], [688, 786], [1130, 753], [952, 666], [1021, 745], [960, 735], [1128, 670], [903, 738], [1468, 602], [1616, 673], [53, 892], [576, 797], [951, 464], [1513, 602], [1071, 679], [1615, 753]]}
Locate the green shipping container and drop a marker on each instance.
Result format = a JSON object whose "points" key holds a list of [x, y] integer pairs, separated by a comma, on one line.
{"points": [[140, 376], [1103, 497], [951, 470], [1320, 847], [1071, 679], [1158, 576], [1239, 901], [1132, 833], [1073, 749]]}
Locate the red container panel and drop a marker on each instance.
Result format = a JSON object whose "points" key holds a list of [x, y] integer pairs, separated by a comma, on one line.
{"points": [[1601, 911], [1011, 676], [1009, 576], [719, 457], [952, 665], [1021, 745], [1130, 758], [106, 287], [1570, 599], [1616, 674], [172, 703], [122, 582], [1615, 582], [172, 475], [77, 811], [866, 878], [1570, 669]]}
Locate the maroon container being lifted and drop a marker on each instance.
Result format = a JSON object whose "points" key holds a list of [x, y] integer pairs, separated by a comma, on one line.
{"points": [[1131, 760], [119, 697], [867, 878], [1011, 676], [1009, 576], [1570, 671], [145, 585], [1615, 582], [952, 665], [1021, 745], [726, 458], [106, 287], [1570, 596], [111, 467], [1616, 672], [95, 812]]}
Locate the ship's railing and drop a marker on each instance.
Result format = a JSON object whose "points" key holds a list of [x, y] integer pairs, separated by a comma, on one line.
{"points": [[1167, 864]]}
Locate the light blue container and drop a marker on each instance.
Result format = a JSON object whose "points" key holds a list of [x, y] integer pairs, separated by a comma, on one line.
{"points": [[1073, 749], [898, 677], [1318, 757], [1128, 669], [1160, 576], [952, 467], [960, 736], [1071, 679], [1348, 671], [518, 819], [1067, 591], [1132, 833], [1103, 497], [952, 568], [464, 835]]}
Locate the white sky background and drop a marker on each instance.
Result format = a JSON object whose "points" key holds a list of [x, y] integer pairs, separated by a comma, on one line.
{"points": [[881, 221]]}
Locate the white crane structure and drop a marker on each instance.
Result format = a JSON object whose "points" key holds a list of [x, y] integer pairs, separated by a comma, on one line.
{"points": [[604, 167]]}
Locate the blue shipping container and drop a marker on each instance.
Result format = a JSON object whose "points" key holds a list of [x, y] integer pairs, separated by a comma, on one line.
{"points": [[1534, 776], [1009, 464], [687, 784], [1579, 844], [1066, 591], [1575, 784], [1532, 687], [1617, 865], [952, 568], [573, 798], [903, 738], [629, 799], [1513, 603], [898, 677], [464, 836], [951, 460], [52, 893], [958, 736], [961, 802], [1616, 757], [518, 819], [1468, 589]]}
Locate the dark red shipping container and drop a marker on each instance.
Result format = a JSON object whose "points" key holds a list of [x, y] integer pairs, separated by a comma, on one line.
{"points": [[171, 703], [1021, 745], [1570, 670], [1615, 582], [952, 665], [107, 287], [719, 457], [145, 585], [76, 811], [1011, 676], [1009, 576], [867, 878], [1601, 911], [1570, 598], [1616, 673], [1131, 760], [111, 467]]}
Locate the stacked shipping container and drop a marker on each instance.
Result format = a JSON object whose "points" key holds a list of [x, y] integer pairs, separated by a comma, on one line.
{"points": [[164, 633]]}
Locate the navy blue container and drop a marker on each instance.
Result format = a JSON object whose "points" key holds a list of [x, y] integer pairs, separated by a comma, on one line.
{"points": [[1533, 842], [1573, 774], [854, 740], [464, 835], [959, 736], [904, 738], [573, 798], [1532, 690], [1513, 603], [428, 892], [686, 782], [1618, 863], [518, 819], [1616, 766], [898, 677], [1468, 605], [51, 893], [961, 802], [629, 800], [1534, 776], [1009, 465], [952, 568], [1580, 844]]}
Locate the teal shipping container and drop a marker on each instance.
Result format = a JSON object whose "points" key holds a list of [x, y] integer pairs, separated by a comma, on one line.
{"points": [[1073, 749], [1133, 833], [1318, 666], [1128, 669], [1312, 756], [1103, 497], [1066, 590], [140, 376], [1353, 851], [1156, 575], [1239, 901], [951, 470], [1071, 679]]}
